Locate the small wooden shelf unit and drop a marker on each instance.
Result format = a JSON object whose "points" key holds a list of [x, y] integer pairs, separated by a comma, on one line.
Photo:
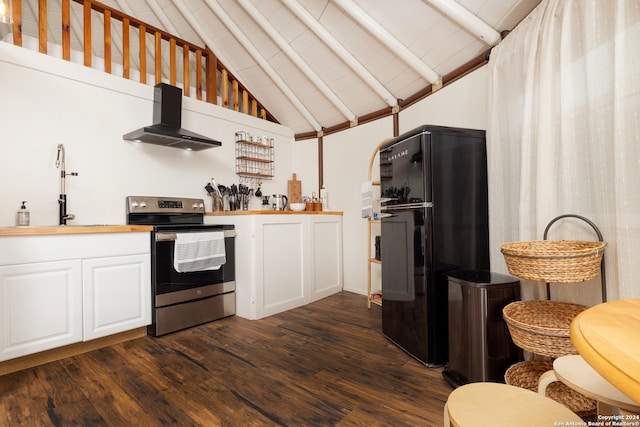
{"points": [[374, 297]]}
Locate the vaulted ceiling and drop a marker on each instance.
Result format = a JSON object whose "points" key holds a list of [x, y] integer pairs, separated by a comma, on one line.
{"points": [[316, 64]]}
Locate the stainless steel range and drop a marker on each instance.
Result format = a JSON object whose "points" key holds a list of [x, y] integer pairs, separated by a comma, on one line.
{"points": [[192, 264]]}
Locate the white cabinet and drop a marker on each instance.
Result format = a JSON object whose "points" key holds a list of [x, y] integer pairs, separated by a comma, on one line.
{"points": [[284, 261], [41, 307], [116, 294], [62, 289], [281, 258], [325, 243]]}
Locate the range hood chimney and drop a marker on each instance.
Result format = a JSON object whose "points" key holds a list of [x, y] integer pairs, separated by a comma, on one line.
{"points": [[167, 129]]}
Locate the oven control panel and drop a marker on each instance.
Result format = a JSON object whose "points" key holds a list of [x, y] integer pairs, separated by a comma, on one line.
{"points": [[153, 205]]}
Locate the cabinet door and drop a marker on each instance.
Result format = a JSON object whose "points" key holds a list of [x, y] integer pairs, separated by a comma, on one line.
{"points": [[326, 255], [282, 281], [116, 294], [40, 307]]}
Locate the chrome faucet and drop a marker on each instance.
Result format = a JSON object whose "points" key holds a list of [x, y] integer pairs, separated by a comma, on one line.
{"points": [[62, 200]]}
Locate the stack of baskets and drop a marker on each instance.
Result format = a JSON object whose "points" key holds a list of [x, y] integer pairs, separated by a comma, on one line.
{"points": [[542, 327]]}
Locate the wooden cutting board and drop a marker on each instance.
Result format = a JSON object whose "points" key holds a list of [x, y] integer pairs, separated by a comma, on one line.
{"points": [[294, 190]]}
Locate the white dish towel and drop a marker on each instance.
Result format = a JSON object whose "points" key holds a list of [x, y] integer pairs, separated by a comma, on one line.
{"points": [[199, 251]]}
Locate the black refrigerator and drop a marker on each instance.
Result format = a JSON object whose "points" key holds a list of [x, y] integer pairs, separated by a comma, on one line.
{"points": [[434, 210]]}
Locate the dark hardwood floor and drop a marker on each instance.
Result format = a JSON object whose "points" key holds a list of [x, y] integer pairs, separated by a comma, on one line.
{"points": [[325, 364]]}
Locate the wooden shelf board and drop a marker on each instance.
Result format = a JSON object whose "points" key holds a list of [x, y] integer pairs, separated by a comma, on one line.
{"points": [[254, 175], [257, 144], [376, 301], [254, 159]]}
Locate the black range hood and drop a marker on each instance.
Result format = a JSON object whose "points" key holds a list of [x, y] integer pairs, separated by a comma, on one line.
{"points": [[167, 129]]}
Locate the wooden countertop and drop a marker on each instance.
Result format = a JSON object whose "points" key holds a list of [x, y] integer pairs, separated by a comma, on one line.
{"points": [[70, 229], [271, 212], [607, 336]]}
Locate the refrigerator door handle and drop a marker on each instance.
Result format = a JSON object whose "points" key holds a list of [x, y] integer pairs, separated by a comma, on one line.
{"points": [[405, 207]]}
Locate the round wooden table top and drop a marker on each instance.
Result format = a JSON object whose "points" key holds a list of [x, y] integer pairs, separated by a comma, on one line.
{"points": [[607, 336], [494, 404]]}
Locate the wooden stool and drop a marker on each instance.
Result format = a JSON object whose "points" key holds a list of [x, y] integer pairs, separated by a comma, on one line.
{"points": [[576, 373], [493, 404]]}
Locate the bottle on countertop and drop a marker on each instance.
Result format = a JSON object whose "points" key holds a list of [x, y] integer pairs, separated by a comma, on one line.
{"points": [[22, 217], [324, 198]]}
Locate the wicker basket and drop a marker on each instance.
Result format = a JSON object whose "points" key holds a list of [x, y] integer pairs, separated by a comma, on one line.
{"points": [[542, 327], [554, 261], [527, 375]]}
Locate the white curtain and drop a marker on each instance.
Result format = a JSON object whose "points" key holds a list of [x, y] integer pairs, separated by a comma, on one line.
{"points": [[563, 133]]}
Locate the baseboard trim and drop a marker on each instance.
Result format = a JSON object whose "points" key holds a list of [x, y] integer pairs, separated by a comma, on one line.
{"points": [[31, 360]]}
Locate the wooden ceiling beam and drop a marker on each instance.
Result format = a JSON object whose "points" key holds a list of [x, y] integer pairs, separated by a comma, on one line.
{"points": [[385, 37], [262, 62], [467, 20], [330, 41], [294, 57]]}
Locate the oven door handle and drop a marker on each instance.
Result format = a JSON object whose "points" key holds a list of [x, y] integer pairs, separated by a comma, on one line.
{"points": [[170, 237]]}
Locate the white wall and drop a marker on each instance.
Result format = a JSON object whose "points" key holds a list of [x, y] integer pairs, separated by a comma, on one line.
{"points": [[346, 163], [463, 104], [46, 102], [306, 165]]}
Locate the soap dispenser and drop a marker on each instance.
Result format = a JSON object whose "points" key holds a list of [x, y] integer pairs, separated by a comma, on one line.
{"points": [[23, 215]]}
